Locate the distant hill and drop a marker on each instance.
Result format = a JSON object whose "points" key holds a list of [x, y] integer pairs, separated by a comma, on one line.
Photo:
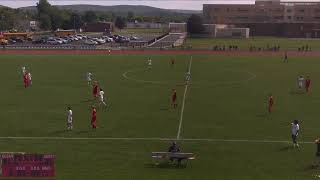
{"points": [[122, 9]]}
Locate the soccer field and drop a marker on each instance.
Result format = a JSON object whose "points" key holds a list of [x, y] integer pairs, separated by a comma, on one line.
{"points": [[221, 116]]}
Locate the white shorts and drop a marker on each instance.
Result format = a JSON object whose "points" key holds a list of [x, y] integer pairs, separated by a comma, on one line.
{"points": [[300, 84]]}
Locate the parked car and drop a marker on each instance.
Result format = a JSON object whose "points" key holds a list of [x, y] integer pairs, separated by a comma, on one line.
{"points": [[100, 41], [18, 40], [107, 38], [52, 42], [83, 36], [91, 42], [134, 38], [62, 40], [79, 37], [74, 38], [39, 41], [11, 41]]}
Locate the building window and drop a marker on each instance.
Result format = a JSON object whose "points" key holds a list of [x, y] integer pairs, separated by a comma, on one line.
{"points": [[301, 10], [289, 17], [289, 10]]}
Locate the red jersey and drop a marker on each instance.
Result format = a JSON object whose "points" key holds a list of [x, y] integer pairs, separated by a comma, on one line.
{"points": [[174, 96], [308, 82], [270, 100], [94, 112], [25, 77], [95, 90]]}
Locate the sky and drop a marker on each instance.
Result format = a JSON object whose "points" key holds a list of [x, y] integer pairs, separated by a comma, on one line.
{"points": [[166, 4]]}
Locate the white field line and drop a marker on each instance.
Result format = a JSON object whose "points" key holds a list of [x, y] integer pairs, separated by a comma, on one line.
{"points": [[152, 139], [183, 102]]}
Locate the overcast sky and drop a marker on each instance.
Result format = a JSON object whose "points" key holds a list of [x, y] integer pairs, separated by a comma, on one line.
{"points": [[167, 4]]}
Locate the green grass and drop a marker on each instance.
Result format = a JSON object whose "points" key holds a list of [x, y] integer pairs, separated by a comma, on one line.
{"points": [[262, 42], [221, 103]]}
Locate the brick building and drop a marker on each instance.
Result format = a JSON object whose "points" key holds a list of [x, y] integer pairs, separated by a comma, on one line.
{"points": [[273, 17]]}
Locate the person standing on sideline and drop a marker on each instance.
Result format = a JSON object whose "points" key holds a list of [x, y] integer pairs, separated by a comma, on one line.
{"points": [[69, 119], [172, 62], [94, 117], [316, 163], [295, 128], [286, 57], [270, 103]]}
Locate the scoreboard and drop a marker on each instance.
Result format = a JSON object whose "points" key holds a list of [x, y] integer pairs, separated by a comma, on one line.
{"points": [[27, 165]]}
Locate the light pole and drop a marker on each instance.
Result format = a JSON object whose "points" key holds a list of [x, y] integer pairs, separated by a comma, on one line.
{"points": [[74, 22]]}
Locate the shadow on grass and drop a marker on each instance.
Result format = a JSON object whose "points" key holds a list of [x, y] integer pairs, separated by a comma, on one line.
{"points": [[83, 132], [59, 132], [286, 148], [296, 92], [164, 108], [262, 115], [165, 165]]}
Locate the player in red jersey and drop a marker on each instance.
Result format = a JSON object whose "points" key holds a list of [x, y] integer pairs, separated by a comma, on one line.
{"points": [[308, 83], [174, 98], [94, 117], [26, 79], [270, 103], [95, 89]]}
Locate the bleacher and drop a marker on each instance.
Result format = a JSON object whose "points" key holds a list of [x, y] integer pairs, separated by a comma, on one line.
{"points": [[166, 41]]}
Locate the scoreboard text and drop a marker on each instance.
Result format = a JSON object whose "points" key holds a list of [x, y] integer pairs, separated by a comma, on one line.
{"points": [[27, 165]]}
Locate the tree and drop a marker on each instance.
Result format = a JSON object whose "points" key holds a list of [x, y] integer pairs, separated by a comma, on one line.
{"points": [[44, 14], [195, 24], [7, 19], [90, 17], [120, 22], [130, 16], [45, 22]]}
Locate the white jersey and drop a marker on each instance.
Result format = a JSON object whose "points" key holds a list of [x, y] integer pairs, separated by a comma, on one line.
{"points": [[70, 116], [188, 76], [101, 93], [301, 79], [29, 76], [295, 128], [23, 69], [150, 62], [89, 76]]}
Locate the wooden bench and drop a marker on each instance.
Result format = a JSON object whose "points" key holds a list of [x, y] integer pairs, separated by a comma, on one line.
{"points": [[168, 156]]}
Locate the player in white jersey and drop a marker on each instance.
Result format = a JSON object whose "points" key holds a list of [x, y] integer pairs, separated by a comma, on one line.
{"points": [[89, 78], [188, 77], [149, 63], [101, 97], [294, 132], [23, 69], [30, 78], [300, 82], [69, 119]]}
